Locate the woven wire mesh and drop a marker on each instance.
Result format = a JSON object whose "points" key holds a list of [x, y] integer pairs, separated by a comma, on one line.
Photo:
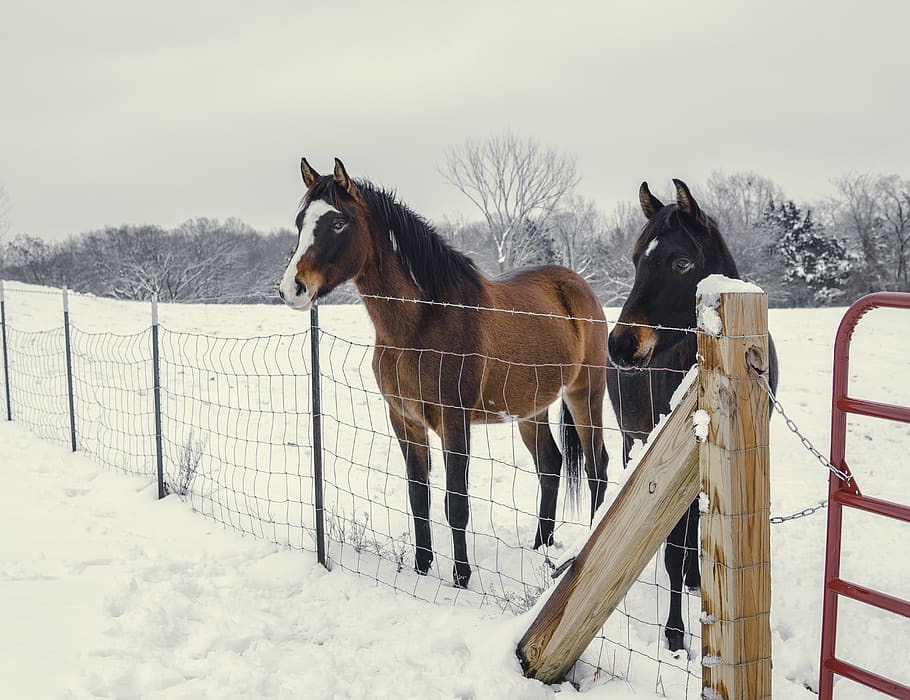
{"points": [[37, 382], [112, 387], [236, 431], [369, 519], [237, 443], [370, 527]]}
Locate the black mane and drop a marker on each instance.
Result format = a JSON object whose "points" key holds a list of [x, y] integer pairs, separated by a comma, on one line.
{"points": [[441, 272], [709, 245]]}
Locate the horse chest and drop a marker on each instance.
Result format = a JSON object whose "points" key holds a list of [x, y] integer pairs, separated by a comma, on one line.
{"points": [[422, 381]]}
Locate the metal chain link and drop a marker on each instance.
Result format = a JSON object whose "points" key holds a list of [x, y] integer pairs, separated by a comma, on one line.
{"points": [[778, 519], [794, 428], [791, 424]]}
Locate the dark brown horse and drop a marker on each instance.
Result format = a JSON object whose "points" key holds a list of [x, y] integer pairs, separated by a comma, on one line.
{"points": [[679, 246], [448, 360]]}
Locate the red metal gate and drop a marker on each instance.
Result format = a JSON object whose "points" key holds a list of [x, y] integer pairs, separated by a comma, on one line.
{"points": [[845, 493]]}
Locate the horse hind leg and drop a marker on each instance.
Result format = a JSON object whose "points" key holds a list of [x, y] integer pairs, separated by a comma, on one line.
{"points": [[537, 437], [586, 410]]}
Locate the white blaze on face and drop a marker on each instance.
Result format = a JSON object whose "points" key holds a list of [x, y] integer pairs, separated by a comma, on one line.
{"points": [[651, 246], [288, 285]]}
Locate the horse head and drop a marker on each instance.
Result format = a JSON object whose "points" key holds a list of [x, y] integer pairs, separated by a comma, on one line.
{"points": [[332, 237], [678, 247]]}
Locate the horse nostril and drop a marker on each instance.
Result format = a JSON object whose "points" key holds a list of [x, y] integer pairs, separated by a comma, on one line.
{"points": [[299, 287], [281, 292], [622, 347]]}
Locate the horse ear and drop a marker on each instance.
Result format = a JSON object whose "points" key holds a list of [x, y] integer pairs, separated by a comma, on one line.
{"points": [[650, 204], [684, 199], [341, 177], [309, 175]]}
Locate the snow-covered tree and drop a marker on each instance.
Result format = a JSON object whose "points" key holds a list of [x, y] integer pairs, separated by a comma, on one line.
{"points": [[816, 265]]}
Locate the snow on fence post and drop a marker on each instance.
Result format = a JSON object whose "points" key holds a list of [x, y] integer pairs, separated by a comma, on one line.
{"points": [[69, 367], [156, 377], [9, 406], [317, 437], [734, 466]]}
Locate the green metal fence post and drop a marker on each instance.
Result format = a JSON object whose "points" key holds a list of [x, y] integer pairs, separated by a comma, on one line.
{"points": [[9, 407], [317, 438], [157, 391], [69, 367]]}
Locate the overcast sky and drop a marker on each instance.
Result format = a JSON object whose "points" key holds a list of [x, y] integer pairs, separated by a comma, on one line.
{"points": [[155, 112]]}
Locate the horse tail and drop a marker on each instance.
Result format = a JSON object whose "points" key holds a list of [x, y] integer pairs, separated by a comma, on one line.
{"points": [[572, 455]]}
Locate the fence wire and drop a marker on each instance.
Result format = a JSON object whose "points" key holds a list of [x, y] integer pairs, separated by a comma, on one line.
{"points": [[37, 381], [236, 431], [237, 444]]}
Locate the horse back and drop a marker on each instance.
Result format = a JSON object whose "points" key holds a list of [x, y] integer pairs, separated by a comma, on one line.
{"points": [[560, 319], [505, 356]]}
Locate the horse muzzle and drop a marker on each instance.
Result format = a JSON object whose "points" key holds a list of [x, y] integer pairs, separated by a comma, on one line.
{"points": [[297, 295], [631, 347]]}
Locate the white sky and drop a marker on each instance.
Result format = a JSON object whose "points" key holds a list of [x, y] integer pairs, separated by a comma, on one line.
{"points": [[152, 112]]}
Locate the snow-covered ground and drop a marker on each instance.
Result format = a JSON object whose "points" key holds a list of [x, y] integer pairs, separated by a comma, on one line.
{"points": [[107, 592]]}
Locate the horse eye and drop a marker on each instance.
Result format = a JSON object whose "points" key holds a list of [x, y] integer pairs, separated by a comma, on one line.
{"points": [[339, 225], [682, 264]]}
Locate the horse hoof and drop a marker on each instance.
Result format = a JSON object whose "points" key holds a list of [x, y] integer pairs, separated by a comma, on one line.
{"points": [[461, 574], [674, 639], [538, 540], [422, 561], [693, 579]]}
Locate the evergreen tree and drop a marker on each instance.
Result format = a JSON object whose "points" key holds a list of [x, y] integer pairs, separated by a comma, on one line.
{"points": [[816, 265]]}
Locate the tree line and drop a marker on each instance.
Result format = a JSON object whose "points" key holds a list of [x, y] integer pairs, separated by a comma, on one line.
{"points": [[526, 212]]}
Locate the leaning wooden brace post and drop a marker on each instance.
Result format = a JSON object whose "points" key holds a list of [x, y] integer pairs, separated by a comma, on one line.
{"points": [[654, 498], [735, 501]]}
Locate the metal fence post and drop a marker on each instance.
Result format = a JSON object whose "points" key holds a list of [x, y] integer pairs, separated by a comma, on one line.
{"points": [[317, 437], [69, 367], [156, 372], [9, 409]]}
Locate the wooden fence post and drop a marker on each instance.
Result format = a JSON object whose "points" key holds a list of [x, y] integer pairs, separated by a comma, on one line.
{"points": [[734, 467]]}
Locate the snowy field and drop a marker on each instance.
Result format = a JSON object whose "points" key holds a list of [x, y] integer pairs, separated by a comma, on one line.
{"points": [[107, 592]]}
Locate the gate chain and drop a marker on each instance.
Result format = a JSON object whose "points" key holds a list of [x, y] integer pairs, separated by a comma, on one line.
{"points": [[778, 519], [791, 424]]}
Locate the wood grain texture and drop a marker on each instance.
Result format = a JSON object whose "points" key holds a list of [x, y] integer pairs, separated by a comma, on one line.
{"points": [[734, 468]]}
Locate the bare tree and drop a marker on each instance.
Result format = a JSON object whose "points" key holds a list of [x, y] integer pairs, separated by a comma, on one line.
{"points": [[573, 228], [895, 197], [514, 182], [738, 202], [4, 219], [874, 211], [609, 266], [28, 258]]}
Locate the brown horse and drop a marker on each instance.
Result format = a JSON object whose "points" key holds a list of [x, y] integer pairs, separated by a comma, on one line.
{"points": [[454, 348], [653, 344]]}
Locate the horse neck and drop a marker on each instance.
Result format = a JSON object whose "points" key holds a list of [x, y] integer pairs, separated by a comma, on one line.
{"points": [[381, 281]]}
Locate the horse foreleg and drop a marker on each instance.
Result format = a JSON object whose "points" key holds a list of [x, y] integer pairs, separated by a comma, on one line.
{"points": [[412, 439], [680, 557], [691, 570], [455, 435], [537, 437]]}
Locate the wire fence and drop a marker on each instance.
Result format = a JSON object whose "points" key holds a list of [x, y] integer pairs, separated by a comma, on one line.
{"points": [[237, 441]]}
